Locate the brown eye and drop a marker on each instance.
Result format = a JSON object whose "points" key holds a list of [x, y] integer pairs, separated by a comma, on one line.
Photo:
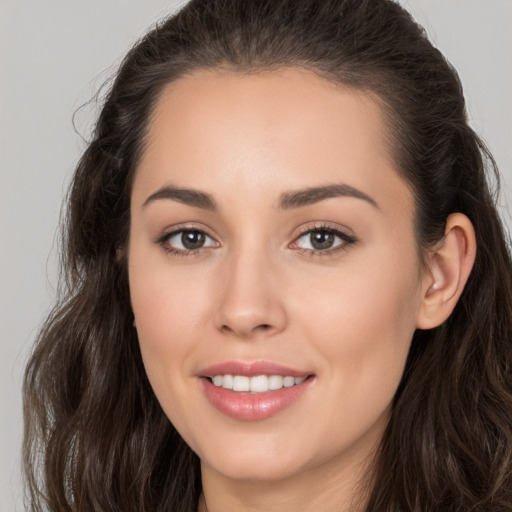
{"points": [[192, 239], [187, 240], [321, 240]]}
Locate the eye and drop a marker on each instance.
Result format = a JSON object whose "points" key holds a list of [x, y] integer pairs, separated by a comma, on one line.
{"points": [[186, 241], [323, 239]]}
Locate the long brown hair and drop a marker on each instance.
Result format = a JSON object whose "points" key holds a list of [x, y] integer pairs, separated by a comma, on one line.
{"points": [[95, 435]]}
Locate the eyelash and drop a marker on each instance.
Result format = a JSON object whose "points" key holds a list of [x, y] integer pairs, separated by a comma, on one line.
{"points": [[347, 240], [164, 239]]}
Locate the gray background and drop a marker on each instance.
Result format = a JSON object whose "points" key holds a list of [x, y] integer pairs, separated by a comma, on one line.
{"points": [[55, 54]]}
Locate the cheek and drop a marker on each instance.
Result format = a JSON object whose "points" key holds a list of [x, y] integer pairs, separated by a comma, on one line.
{"points": [[168, 311], [362, 323], [166, 296]]}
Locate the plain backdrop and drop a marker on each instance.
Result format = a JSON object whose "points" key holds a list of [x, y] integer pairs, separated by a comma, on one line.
{"points": [[54, 55]]}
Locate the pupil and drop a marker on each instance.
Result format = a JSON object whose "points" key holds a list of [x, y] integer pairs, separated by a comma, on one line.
{"points": [[192, 239], [322, 239]]}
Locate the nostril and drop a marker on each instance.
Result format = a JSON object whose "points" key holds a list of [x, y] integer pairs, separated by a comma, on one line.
{"points": [[260, 328]]}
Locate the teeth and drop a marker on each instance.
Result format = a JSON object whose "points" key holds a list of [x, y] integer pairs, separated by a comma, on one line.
{"points": [[257, 384], [241, 383], [227, 381], [288, 382], [275, 382]]}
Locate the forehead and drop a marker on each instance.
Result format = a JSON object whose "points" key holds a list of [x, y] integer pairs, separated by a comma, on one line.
{"points": [[288, 126], [281, 105]]}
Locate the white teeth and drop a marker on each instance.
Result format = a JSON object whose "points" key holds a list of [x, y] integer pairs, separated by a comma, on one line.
{"points": [[217, 380], [227, 382], [288, 382], [240, 383], [275, 382], [257, 384]]}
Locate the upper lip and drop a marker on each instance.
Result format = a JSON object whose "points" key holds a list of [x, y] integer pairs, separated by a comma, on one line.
{"points": [[251, 369]]}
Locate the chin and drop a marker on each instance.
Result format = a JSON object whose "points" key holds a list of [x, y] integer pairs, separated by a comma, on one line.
{"points": [[261, 469], [267, 460]]}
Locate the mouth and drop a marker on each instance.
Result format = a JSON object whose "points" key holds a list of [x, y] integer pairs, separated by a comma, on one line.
{"points": [[253, 391], [256, 384]]}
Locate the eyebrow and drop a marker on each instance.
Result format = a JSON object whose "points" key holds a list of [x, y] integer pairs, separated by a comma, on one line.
{"points": [[184, 195], [287, 201], [308, 196]]}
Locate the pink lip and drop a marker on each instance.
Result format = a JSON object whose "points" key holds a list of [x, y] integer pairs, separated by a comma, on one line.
{"points": [[251, 406], [251, 369]]}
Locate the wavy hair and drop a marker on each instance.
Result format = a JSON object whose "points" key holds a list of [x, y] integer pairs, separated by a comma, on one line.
{"points": [[95, 435]]}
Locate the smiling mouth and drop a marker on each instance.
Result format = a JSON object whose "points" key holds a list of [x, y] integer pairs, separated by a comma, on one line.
{"points": [[254, 397], [255, 384]]}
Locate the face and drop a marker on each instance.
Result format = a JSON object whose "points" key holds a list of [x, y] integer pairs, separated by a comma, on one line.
{"points": [[272, 246]]}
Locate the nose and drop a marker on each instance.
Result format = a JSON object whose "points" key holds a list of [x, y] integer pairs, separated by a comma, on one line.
{"points": [[251, 300]]}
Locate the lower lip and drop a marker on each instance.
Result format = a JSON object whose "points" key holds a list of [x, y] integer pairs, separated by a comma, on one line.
{"points": [[252, 406]]}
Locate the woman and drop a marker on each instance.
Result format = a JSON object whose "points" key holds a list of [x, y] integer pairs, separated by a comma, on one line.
{"points": [[287, 284]]}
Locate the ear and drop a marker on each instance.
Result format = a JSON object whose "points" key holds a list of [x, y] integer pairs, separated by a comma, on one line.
{"points": [[449, 265]]}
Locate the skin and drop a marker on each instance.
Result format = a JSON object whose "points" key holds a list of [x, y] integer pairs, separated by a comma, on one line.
{"points": [[256, 291]]}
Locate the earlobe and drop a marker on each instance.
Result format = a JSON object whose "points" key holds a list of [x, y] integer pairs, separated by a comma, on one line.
{"points": [[449, 267]]}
